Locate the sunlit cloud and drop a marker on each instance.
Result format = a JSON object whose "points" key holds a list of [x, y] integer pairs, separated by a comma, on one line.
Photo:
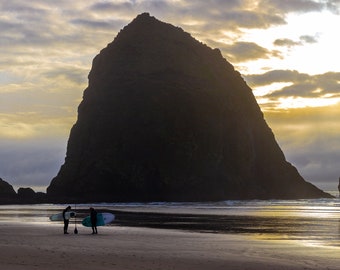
{"points": [[32, 125], [298, 90], [310, 139], [309, 39], [286, 42], [291, 43], [247, 51], [16, 129]]}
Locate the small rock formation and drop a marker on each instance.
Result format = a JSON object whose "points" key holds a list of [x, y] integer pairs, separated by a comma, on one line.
{"points": [[166, 118], [28, 195], [7, 193]]}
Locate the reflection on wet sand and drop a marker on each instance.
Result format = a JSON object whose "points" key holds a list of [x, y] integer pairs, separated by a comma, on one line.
{"points": [[311, 222], [324, 231]]}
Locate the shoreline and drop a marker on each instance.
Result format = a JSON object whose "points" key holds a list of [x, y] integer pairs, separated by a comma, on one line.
{"points": [[322, 229], [143, 238], [36, 246], [300, 228]]}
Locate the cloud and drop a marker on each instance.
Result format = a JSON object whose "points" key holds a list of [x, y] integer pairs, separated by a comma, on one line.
{"points": [[275, 76], [309, 39], [96, 24], [297, 6], [302, 85], [31, 163], [246, 51], [29, 125], [72, 74], [309, 137], [286, 42], [333, 5]]}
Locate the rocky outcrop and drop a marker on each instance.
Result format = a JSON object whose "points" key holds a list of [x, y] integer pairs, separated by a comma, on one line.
{"points": [[24, 195], [28, 195], [166, 118], [7, 192]]}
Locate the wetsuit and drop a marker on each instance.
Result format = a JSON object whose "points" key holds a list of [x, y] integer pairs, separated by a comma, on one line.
{"points": [[94, 221]]}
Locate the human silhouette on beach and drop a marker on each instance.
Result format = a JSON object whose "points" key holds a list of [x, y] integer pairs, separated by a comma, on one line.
{"points": [[339, 187], [93, 215], [66, 220]]}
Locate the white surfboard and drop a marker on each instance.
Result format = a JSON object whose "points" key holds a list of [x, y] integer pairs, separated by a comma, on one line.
{"points": [[59, 216]]}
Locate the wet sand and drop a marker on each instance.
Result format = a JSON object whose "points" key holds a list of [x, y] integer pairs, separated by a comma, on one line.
{"points": [[43, 246]]}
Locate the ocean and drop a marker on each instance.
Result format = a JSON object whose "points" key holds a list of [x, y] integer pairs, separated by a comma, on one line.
{"points": [[310, 221]]}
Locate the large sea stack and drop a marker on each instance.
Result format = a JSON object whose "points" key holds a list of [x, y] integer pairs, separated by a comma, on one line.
{"points": [[166, 118]]}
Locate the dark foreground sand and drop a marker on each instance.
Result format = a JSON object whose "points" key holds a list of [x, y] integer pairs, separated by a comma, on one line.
{"points": [[43, 246]]}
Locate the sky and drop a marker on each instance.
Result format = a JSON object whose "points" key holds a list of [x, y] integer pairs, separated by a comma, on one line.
{"points": [[286, 50]]}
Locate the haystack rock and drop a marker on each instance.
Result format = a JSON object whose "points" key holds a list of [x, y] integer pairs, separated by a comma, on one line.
{"points": [[166, 118]]}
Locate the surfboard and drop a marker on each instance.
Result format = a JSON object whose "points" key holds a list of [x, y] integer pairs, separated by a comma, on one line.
{"points": [[102, 219], [59, 216]]}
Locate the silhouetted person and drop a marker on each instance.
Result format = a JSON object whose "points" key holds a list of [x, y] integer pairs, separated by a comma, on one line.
{"points": [[339, 187], [66, 220], [93, 215]]}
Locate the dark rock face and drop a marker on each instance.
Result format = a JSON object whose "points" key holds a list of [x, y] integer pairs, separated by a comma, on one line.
{"points": [[28, 195], [166, 118], [7, 192]]}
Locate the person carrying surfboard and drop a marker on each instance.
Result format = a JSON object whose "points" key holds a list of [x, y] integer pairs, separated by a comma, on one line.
{"points": [[93, 215], [66, 220]]}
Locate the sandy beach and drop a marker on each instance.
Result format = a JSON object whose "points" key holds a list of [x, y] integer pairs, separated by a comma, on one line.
{"points": [[43, 246]]}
